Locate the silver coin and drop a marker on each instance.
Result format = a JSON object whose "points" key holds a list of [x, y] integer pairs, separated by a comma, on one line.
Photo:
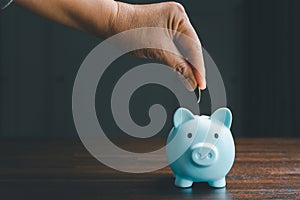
{"points": [[197, 91]]}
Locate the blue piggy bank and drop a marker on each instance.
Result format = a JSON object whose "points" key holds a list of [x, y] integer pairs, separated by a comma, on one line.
{"points": [[201, 148]]}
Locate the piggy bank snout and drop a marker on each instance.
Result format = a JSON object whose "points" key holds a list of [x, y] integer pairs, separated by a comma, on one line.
{"points": [[204, 154]]}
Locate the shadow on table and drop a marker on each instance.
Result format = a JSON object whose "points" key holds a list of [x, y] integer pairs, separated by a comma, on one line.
{"points": [[114, 187], [165, 187]]}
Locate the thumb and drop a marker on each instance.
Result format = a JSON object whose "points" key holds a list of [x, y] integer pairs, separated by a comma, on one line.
{"points": [[184, 69]]}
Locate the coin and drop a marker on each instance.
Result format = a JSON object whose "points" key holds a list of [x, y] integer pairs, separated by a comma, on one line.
{"points": [[197, 91]]}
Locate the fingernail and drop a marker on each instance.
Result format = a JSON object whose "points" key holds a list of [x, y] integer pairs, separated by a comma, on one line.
{"points": [[188, 83], [202, 85]]}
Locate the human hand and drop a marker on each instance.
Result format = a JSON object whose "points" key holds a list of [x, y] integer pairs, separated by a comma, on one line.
{"points": [[178, 35], [107, 17]]}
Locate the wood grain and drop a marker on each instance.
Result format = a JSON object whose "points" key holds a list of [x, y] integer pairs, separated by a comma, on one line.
{"points": [[63, 169]]}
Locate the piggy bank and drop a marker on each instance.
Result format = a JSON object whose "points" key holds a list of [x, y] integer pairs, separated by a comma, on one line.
{"points": [[201, 148]]}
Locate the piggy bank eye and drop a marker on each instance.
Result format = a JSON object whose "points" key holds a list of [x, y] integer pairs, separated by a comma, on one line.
{"points": [[189, 135], [216, 135]]}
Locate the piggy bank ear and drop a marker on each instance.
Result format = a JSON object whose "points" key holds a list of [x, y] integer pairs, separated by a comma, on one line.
{"points": [[223, 115], [182, 115]]}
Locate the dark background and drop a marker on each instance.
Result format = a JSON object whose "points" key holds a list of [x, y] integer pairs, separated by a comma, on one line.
{"points": [[255, 44]]}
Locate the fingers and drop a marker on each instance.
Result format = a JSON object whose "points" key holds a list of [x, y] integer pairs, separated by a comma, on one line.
{"points": [[190, 47], [197, 62], [192, 50], [184, 69]]}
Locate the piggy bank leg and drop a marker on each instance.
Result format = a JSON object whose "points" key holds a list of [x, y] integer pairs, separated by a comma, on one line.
{"points": [[183, 183], [218, 183]]}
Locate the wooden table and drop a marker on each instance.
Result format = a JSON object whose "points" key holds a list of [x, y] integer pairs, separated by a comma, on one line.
{"points": [[63, 169]]}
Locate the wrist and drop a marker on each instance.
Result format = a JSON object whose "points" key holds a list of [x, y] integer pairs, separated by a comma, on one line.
{"points": [[122, 19]]}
